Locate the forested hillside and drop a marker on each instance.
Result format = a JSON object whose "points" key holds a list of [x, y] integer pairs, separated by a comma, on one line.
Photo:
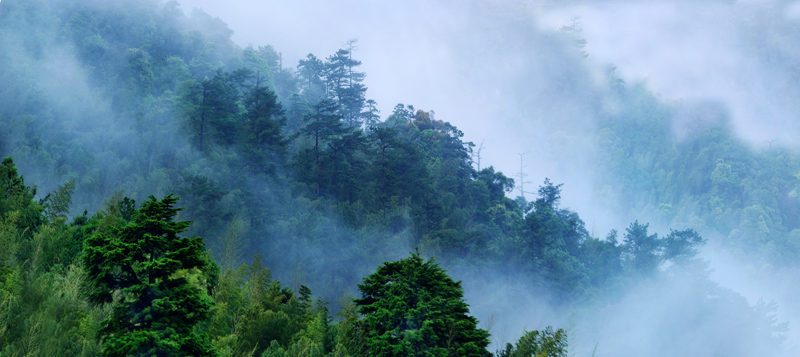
{"points": [[166, 192]]}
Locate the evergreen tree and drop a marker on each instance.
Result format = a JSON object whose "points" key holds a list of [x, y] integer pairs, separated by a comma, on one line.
{"points": [[642, 250], [311, 72], [552, 239], [344, 85], [154, 281], [411, 307], [323, 125], [210, 106], [371, 114], [262, 143], [16, 196]]}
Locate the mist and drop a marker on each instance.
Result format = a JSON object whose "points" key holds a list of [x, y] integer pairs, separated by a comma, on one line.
{"points": [[503, 74], [532, 85]]}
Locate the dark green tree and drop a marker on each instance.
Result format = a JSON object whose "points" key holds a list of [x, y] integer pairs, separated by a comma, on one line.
{"points": [[323, 126], [371, 114], [643, 251], [601, 257], [16, 196], [680, 246], [210, 107], [154, 281], [262, 142], [411, 307], [552, 238], [344, 85]]}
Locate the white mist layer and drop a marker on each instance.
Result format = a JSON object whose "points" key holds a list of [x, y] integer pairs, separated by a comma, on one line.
{"points": [[701, 50], [494, 71]]}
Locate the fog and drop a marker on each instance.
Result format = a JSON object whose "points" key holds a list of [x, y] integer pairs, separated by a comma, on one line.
{"points": [[491, 69], [517, 79], [501, 73]]}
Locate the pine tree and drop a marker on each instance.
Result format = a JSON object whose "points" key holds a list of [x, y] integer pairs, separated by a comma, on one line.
{"points": [[411, 307], [261, 140], [154, 280], [345, 85], [323, 125]]}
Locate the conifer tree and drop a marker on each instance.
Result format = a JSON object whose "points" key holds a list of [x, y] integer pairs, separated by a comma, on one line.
{"points": [[16, 196], [153, 278], [261, 141], [411, 307]]}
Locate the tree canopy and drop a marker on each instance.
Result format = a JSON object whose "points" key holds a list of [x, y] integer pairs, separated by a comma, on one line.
{"points": [[289, 172], [156, 282], [411, 307]]}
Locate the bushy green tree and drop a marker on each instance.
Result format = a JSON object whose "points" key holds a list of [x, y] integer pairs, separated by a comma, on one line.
{"points": [[154, 281], [552, 241], [644, 253], [261, 140], [16, 196], [642, 250], [411, 307], [546, 343]]}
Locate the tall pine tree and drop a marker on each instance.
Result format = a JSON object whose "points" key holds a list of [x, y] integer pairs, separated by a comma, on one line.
{"points": [[154, 281]]}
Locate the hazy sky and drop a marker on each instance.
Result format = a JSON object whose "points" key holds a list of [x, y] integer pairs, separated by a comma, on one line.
{"points": [[489, 70], [415, 52]]}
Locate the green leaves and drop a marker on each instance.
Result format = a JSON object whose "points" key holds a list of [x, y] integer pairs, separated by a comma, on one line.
{"points": [[261, 139], [154, 280], [411, 307], [644, 253], [546, 343], [16, 196], [57, 203]]}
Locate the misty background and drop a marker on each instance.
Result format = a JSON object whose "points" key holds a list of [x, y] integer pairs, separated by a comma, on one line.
{"points": [[541, 79], [494, 70], [498, 72]]}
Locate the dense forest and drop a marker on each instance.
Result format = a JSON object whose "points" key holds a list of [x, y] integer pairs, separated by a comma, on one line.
{"points": [[166, 192]]}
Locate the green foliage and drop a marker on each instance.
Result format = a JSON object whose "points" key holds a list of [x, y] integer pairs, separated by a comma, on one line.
{"points": [[411, 307], [153, 280], [56, 204], [211, 109], [350, 331], [15, 196], [345, 85], [332, 148], [262, 141], [312, 82], [642, 249], [545, 343], [685, 164], [275, 161], [42, 308], [602, 258], [643, 253], [255, 315], [553, 239]]}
